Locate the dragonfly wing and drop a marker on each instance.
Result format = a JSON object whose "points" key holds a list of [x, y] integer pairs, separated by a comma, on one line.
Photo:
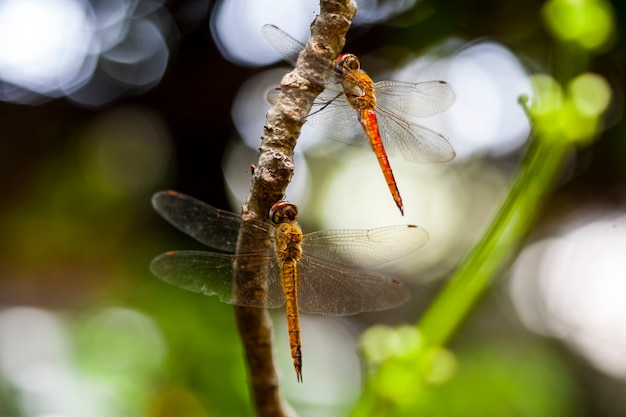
{"points": [[212, 274], [288, 47], [272, 95], [413, 141], [398, 103], [215, 228], [329, 289], [364, 247], [333, 117], [415, 100], [337, 120]]}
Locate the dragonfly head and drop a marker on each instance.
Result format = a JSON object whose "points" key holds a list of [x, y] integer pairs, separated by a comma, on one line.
{"points": [[348, 63], [283, 212]]}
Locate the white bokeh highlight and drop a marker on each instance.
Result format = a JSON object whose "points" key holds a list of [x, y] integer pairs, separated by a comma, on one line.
{"points": [[571, 286], [44, 43], [488, 79], [90, 52], [42, 364], [236, 27]]}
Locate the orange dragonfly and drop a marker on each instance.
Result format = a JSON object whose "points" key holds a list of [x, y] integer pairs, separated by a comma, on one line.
{"points": [[308, 273], [384, 110]]}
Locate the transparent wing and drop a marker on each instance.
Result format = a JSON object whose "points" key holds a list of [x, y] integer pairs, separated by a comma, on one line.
{"points": [[272, 95], [212, 274], [332, 116], [332, 290], [215, 228], [413, 141], [364, 247], [288, 47], [399, 102], [338, 121], [415, 100]]}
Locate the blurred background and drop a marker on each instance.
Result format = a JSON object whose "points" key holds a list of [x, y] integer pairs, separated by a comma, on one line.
{"points": [[102, 103]]}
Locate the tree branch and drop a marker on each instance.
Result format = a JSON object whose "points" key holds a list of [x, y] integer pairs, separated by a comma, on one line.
{"points": [[269, 182]]}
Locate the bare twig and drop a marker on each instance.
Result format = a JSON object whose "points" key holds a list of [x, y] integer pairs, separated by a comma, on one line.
{"points": [[269, 182]]}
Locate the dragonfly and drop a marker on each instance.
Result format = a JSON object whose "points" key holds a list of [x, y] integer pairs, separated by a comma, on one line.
{"points": [[379, 116], [312, 273]]}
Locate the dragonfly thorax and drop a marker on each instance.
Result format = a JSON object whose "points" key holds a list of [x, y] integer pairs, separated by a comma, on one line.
{"points": [[359, 90], [288, 240]]}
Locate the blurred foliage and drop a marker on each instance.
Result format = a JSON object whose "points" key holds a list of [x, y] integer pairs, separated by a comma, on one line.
{"points": [[574, 115], [78, 234], [589, 24], [79, 245], [489, 379]]}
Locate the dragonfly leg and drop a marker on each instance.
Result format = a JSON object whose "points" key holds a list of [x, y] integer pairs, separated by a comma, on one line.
{"points": [[327, 103]]}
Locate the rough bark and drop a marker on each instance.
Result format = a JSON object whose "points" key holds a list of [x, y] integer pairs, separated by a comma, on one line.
{"points": [[270, 178]]}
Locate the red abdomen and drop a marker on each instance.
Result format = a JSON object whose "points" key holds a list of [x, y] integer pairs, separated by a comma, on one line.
{"points": [[369, 122]]}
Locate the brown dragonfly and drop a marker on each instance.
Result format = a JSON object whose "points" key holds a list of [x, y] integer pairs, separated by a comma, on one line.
{"points": [[312, 273]]}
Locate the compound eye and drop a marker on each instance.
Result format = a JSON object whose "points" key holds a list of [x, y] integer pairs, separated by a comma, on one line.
{"points": [[352, 62], [348, 62]]}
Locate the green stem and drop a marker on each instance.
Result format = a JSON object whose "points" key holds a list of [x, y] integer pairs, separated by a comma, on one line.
{"points": [[535, 177]]}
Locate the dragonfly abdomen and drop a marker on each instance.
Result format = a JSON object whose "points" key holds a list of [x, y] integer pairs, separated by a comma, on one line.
{"points": [[288, 250], [289, 281], [368, 120]]}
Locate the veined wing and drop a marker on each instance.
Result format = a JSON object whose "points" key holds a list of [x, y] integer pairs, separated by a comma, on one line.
{"points": [[288, 47], [415, 100], [398, 104], [413, 141], [338, 121], [416, 143], [332, 116], [212, 274], [215, 228], [332, 290], [364, 247]]}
